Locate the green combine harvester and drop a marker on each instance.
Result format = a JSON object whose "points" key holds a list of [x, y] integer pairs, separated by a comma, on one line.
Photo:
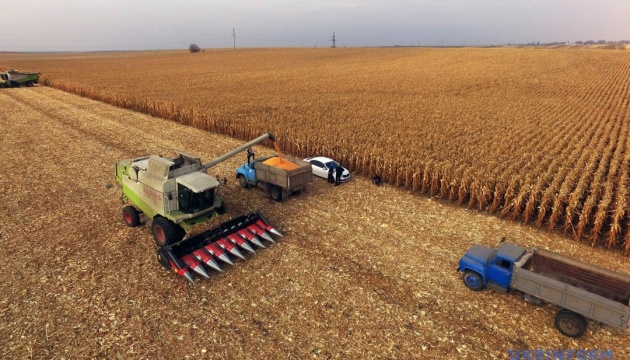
{"points": [[175, 194], [14, 78]]}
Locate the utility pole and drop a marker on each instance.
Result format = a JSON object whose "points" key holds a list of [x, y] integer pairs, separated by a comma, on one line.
{"points": [[234, 36], [334, 45]]}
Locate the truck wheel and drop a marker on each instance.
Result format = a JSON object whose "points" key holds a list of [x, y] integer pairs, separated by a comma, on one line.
{"points": [[131, 216], [165, 232], [473, 280], [276, 193], [242, 181], [570, 324]]}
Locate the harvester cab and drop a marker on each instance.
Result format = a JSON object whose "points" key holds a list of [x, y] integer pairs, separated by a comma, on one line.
{"points": [[174, 193]]}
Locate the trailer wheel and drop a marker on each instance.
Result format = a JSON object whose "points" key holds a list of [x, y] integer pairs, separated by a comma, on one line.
{"points": [[276, 193], [242, 181], [570, 324], [473, 280], [131, 216], [165, 232]]}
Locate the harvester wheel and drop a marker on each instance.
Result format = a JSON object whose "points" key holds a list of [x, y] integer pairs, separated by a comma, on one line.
{"points": [[242, 181], [221, 209], [165, 232], [276, 193], [29, 83], [131, 216]]}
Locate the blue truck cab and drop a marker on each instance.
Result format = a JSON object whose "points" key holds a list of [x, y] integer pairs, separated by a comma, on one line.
{"points": [[249, 174], [486, 267]]}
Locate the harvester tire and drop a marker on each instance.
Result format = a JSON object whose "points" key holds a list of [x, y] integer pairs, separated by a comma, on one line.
{"points": [[29, 83], [276, 193], [221, 209], [131, 216], [242, 181], [165, 232]]}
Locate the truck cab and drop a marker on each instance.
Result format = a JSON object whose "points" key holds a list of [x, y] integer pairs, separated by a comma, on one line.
{"points": [[248, 172], [486, 267]]}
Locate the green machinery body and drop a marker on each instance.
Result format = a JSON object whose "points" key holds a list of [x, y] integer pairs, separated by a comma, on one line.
{"points": [[14, 78], [174, 193], [153, 186]]}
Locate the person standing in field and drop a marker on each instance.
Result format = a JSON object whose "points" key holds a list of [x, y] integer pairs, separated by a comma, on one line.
{"points": [[376, 180], [331, 177], [338, 172], [250, 154]]}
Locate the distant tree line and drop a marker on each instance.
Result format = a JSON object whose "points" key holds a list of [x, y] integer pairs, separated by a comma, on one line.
{"points": [[579, 42], [593, 42]]}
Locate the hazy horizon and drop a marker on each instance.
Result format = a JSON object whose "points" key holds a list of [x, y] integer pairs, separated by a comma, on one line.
{"points": [[73, 25]]}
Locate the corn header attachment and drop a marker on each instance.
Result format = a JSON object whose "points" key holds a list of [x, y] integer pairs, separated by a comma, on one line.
{"points": [[222, 244]]}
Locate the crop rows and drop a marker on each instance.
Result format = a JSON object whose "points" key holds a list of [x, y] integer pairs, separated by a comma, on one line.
{"points": [[539, 136]]}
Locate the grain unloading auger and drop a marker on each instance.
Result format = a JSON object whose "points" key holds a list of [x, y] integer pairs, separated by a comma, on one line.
{"points": [[175, 194], [208, 248]]}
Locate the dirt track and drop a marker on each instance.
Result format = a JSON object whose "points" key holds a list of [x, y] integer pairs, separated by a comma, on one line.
{"points": [[363, 272]]}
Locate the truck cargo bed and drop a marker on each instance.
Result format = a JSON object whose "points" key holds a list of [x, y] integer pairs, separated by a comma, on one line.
{"points": [[594, 279], [293, 179], [589, 290]]}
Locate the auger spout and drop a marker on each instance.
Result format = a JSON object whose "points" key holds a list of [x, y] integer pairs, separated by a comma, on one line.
{"points": [[243, 147]]}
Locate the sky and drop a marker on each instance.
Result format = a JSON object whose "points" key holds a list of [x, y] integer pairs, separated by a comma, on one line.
{"points": [[107, 25]]}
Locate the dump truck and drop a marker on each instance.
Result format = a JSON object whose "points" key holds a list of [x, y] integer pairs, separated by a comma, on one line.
{"points": [[579, 289], [14, 78], [278, 176], [174, 195]]}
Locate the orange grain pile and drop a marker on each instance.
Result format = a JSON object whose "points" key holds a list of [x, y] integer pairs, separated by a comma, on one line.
{"points": [[280, 163]]}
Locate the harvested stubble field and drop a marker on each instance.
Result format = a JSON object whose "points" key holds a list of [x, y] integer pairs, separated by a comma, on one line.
{"points": [[362, 272], [535, 135]]}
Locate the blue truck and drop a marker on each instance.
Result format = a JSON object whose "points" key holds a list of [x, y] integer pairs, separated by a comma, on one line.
{"points": [[579, 289], [277, 181]]}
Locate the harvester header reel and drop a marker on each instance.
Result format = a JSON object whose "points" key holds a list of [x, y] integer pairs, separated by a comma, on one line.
{"points": [[204, 250]]}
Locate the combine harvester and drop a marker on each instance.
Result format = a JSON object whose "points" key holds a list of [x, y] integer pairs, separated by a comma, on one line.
{"points": [[177, 194], [14, 78]]}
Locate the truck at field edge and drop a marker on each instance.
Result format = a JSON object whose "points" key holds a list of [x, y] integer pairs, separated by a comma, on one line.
{"points": [[276, 181], [579, 289]]}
